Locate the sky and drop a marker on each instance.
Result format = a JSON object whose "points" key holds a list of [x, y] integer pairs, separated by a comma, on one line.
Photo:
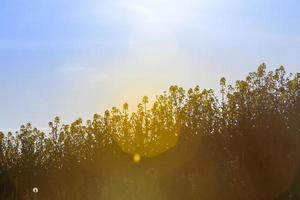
{"points": [[74, 58]]}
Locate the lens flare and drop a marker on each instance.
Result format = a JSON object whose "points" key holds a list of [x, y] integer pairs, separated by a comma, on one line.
{"points": [[136, 158]]}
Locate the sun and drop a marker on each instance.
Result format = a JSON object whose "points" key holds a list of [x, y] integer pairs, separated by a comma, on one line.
{"points": [[158, 12]]}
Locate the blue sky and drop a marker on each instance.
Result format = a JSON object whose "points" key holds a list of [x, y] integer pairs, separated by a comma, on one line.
{"points": [[73, 58]]}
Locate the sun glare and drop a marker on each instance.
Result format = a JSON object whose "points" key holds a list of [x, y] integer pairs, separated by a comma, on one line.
{"points": [[158, 12]]}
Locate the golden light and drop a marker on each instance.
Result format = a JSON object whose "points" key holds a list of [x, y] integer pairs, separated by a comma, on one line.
{"points": [[136, 158]]}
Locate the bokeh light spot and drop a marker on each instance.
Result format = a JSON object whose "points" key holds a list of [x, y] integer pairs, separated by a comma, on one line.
{"points": [[136, 158]]}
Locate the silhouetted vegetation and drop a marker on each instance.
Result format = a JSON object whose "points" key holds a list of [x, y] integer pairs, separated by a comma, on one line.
{"points": [[241, 143]]}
